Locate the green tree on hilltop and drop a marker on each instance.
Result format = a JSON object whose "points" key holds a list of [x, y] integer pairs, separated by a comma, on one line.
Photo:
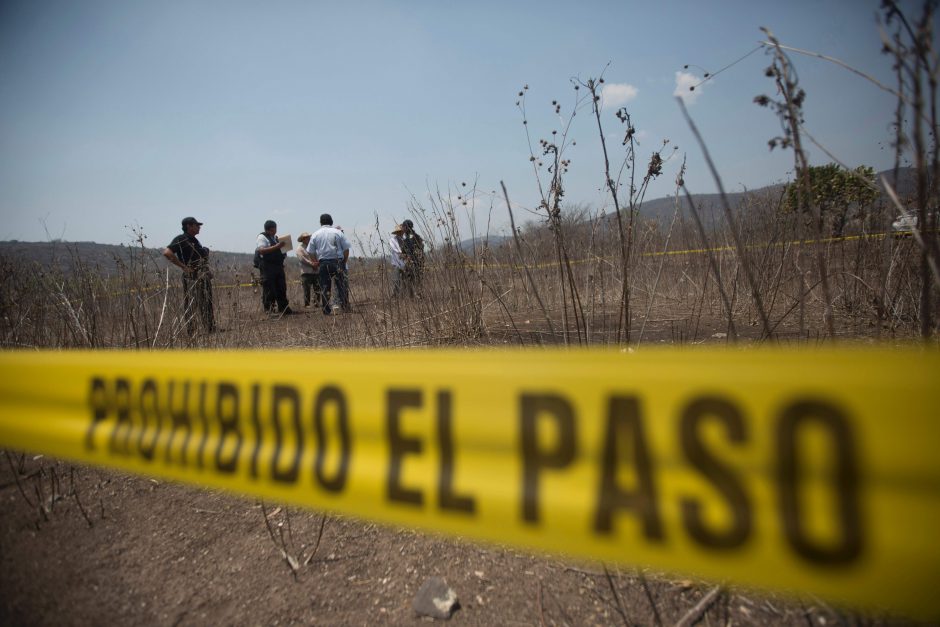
{"points": [[835, 191]]}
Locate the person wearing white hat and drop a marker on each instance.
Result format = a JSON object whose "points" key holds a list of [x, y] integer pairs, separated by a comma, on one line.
{"points": [[309, 270], [407, 258], [397, 259]]}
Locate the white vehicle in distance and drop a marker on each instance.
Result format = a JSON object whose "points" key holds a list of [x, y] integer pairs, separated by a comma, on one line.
{"points": [[905, 224]]}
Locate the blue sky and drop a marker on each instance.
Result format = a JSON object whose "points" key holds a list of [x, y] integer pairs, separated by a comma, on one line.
{"points": [[123, 115]]}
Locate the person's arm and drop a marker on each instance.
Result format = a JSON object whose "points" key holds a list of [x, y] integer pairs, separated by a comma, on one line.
{"points": [[345, 243], [306, 259], [172, 258], [264, 246], [395, 257]]}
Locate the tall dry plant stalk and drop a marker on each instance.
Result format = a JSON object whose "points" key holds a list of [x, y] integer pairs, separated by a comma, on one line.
{"points": [[790, 112], [634, 197], [551, 193], [733, 228], [917, 65]]}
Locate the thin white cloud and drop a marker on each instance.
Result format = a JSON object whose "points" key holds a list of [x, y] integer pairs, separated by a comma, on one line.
{"points": [[617, 94], [685, 82]]}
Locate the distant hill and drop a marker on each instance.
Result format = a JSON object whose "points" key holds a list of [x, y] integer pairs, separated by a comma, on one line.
{"points": [[104, 259], [493, 241], [661, 209], [109, 259]]}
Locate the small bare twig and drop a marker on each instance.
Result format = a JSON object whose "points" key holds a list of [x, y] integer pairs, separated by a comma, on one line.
{"points": [[166, 293], [16, 476], [649, 597], [279, 543], [317, 544], [613, 589], [693, 615], [74, 492], [41, 498], [838, 62]]}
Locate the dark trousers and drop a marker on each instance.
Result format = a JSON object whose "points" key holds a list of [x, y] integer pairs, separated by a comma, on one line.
{"points": [[333, 270], [197, 300], [273, 288], [310, 280], [406, 281]]}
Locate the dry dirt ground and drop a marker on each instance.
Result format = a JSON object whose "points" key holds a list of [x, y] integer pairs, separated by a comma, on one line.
{"points": [[85, 546]]}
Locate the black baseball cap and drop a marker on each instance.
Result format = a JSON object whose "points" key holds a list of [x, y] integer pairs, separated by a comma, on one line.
{"points": [[190, 220]]}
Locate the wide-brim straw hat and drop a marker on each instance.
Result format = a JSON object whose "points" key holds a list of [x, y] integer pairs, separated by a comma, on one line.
{"points": [[304, 236], [398, 229]]}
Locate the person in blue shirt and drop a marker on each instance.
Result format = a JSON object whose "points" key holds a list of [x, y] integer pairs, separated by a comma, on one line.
{"points": [[329, 246]]}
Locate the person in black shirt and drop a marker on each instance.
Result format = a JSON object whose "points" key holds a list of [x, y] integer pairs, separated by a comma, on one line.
{"points": [[273, 279], [410, 247], [186, 253]]}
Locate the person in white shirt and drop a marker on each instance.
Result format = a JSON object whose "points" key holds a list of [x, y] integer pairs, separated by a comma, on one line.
{"points": [[398, 261], [329, 246], [407, 258], [309, 270]]}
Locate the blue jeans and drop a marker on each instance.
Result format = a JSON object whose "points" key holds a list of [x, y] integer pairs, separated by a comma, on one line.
{"points": [[333, 270]]}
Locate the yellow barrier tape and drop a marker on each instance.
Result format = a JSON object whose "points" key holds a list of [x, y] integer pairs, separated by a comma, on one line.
{"points": [[807, 471], [575, 262], [725, 249]]}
